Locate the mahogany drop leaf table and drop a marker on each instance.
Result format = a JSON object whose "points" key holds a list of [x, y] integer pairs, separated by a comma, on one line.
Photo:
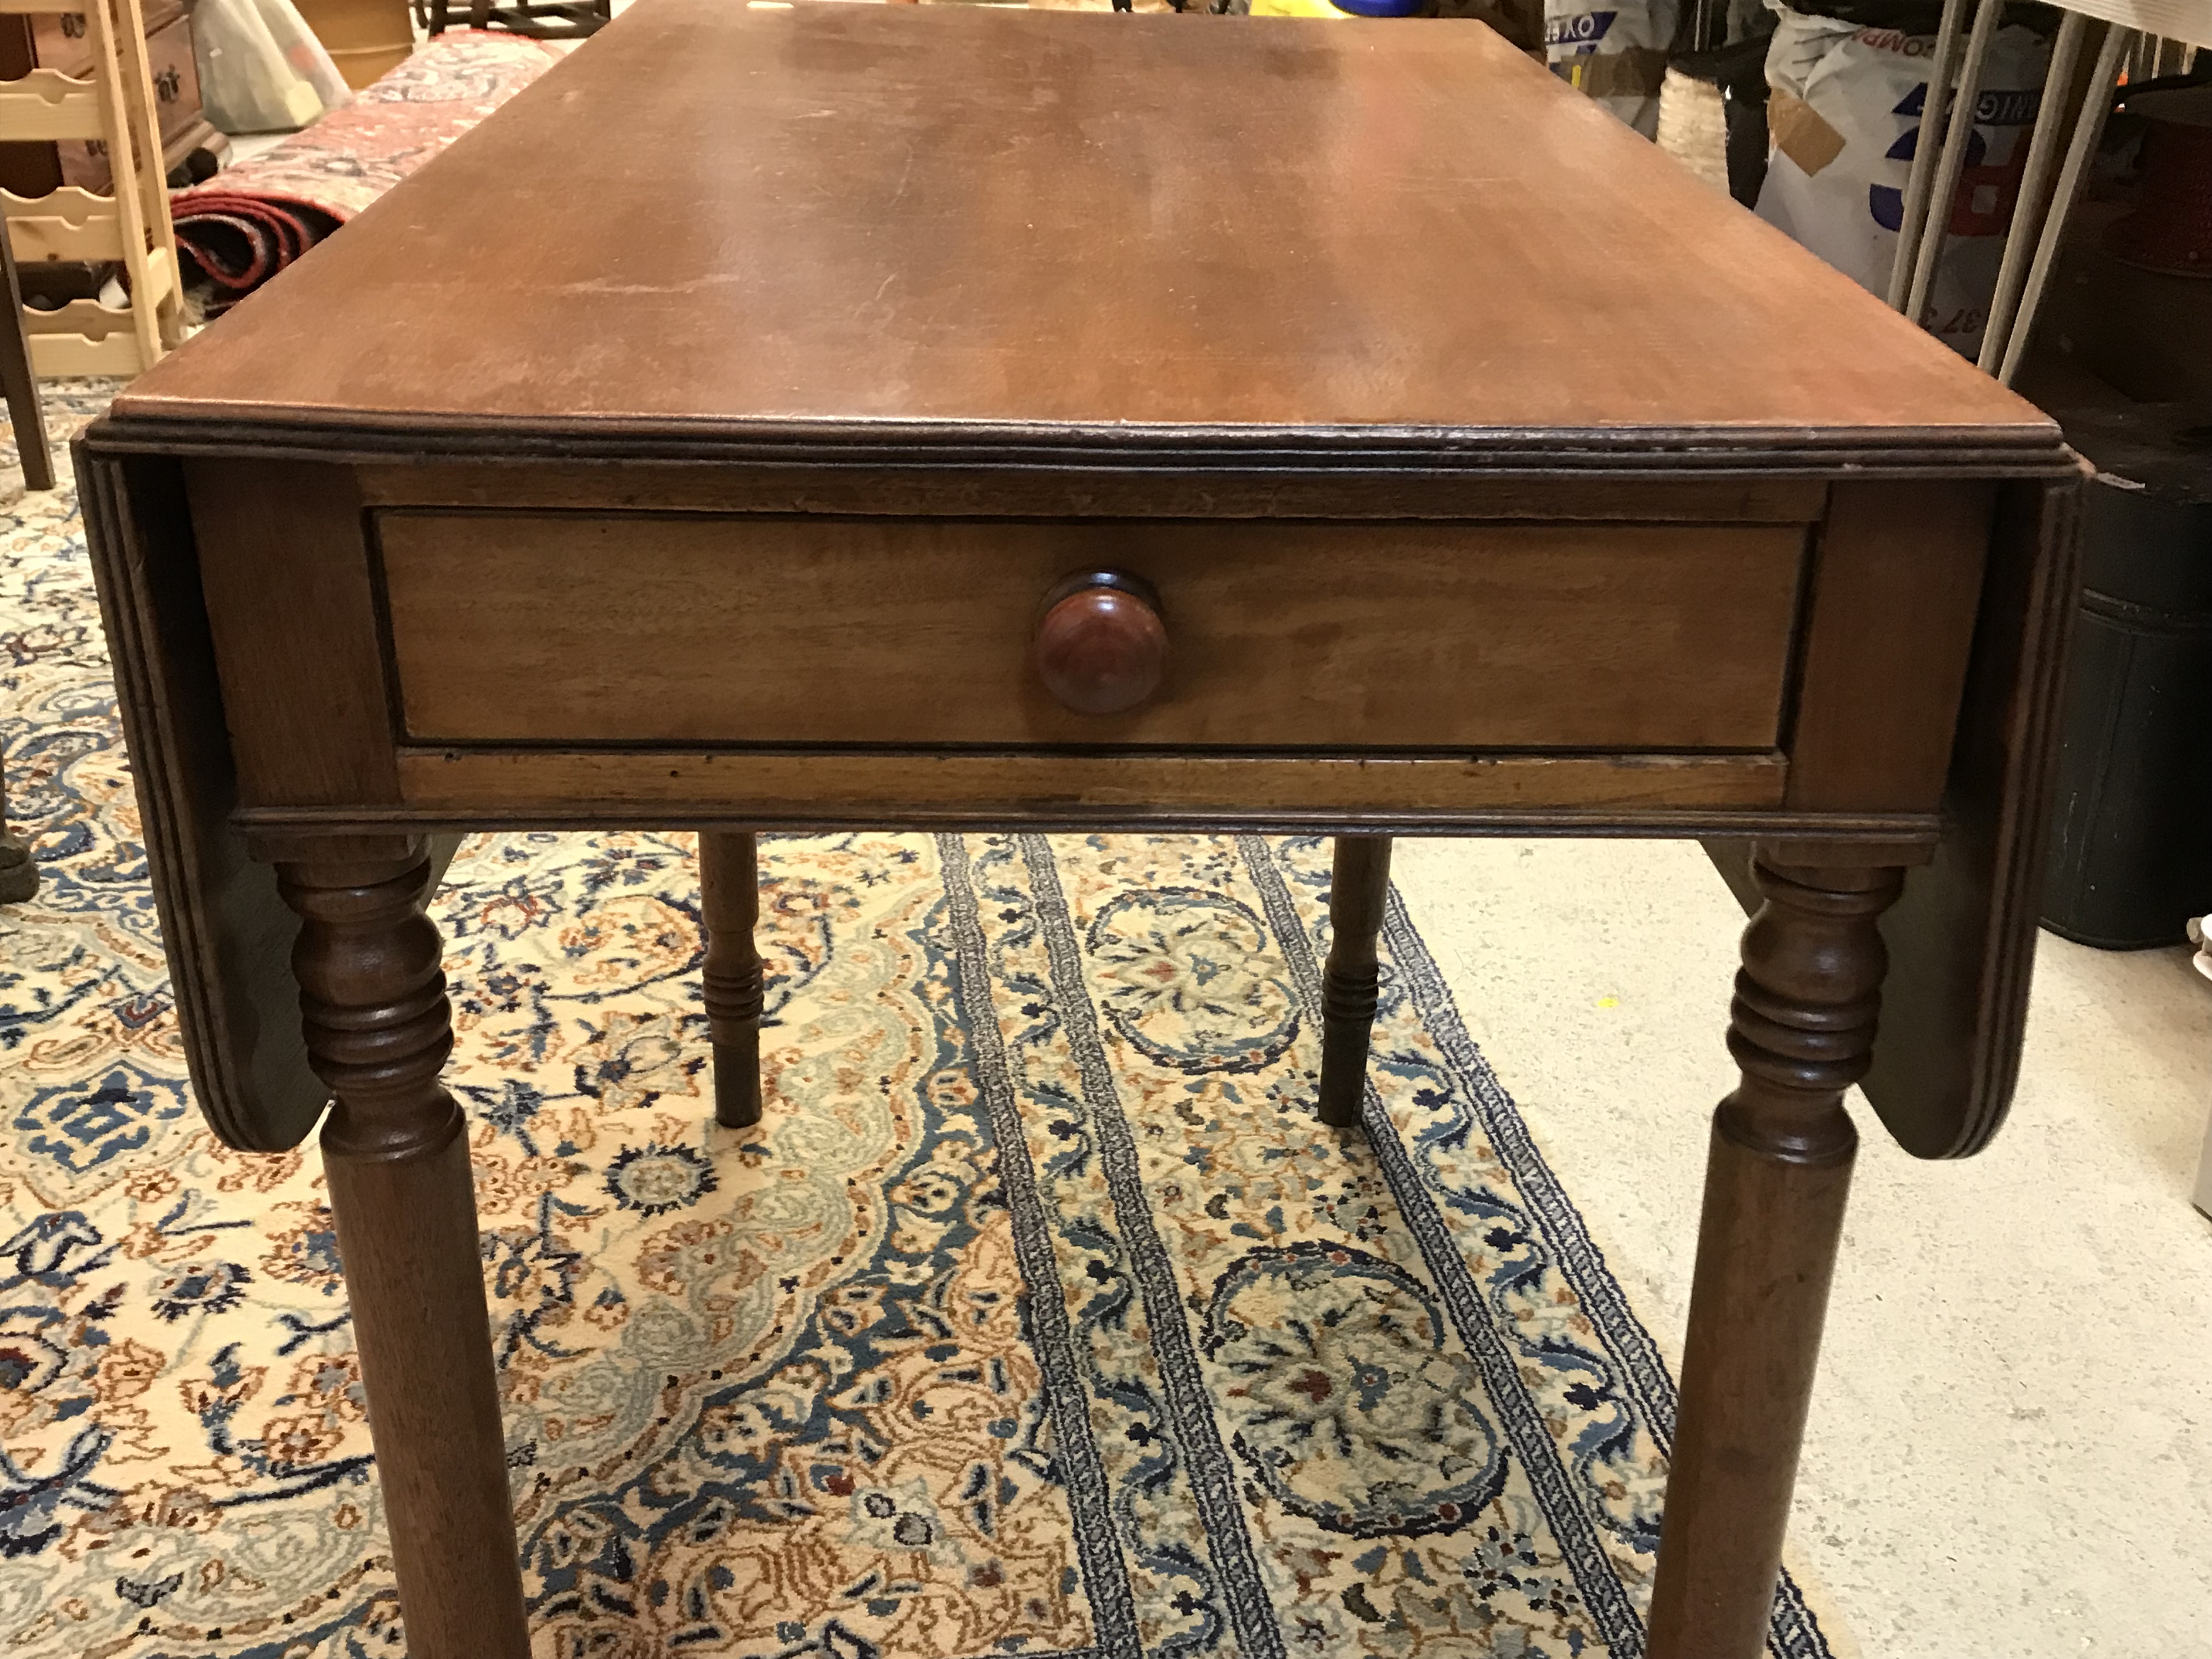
{"points": [[987, 419]]}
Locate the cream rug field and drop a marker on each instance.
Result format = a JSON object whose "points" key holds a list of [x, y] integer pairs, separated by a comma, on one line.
{"points": [[1039, 1316]]}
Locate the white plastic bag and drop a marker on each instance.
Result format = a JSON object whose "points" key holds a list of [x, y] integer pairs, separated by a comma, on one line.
{"points": [[262, 70], [1844, 119], [1617, 52], [304, 50]]}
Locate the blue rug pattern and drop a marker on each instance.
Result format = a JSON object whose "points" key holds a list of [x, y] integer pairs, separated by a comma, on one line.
{"points": [[1039, 1316]]}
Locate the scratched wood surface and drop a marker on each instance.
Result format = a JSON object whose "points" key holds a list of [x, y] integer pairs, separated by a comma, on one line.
{"points": [[1040, 220]]}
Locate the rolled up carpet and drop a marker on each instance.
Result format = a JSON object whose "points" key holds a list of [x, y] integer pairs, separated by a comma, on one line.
{"points": [[253, 220]]}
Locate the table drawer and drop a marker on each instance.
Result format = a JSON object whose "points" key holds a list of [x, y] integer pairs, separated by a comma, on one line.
{"points": [[585, 628]]}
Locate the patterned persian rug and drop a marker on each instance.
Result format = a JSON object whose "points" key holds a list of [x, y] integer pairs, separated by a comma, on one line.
{"points": [[1039, 1316], [258, 217]]}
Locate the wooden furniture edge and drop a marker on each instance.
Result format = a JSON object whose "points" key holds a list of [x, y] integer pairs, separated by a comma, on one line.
{"points": [[893, 788], [227, 933], [1975, 907], [1962, 938], [182, 429], [1056, 494]]}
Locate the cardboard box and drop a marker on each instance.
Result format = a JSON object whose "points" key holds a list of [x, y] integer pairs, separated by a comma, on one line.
{"points": [[364, 38]]}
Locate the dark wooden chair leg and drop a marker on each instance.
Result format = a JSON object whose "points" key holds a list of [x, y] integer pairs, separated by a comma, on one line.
{"points": [[1356, 893], [372, 1001], [28, 415], [729, 901], [1801, 1030], [19, 871]]}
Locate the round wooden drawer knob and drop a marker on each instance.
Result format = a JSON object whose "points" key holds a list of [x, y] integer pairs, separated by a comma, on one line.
{"points": [[1101, 647]]}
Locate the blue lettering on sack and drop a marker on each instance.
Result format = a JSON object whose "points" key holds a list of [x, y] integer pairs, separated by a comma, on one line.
{"points": [[1992, 109], [1886, 202], [2007, 109], [1584, 29]]}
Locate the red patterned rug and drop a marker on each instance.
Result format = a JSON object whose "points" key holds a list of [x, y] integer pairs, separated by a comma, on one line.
{"points": [[260, 217]]}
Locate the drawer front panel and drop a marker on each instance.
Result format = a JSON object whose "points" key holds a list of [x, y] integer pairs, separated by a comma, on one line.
{"points": [[581, 628]]}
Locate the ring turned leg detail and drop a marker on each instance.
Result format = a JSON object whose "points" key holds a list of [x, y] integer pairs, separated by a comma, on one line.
{"points": [[1357, 889], [372, 1002], [729, 901], [1801, 1030]]}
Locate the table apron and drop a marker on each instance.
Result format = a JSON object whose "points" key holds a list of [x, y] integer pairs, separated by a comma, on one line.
{"points": [[534, 663]]}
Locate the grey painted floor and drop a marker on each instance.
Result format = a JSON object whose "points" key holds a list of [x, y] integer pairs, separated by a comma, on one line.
{"points": [[2010, 1454]]}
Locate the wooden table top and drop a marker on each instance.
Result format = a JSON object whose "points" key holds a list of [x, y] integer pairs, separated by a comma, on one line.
{"points": [[976, 226]]}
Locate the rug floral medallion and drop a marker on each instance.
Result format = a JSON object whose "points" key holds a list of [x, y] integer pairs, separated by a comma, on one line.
{"points": [[1039, 1315]]}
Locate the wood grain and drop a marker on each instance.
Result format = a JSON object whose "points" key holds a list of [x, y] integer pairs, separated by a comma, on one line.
{"points": [[1896, 581], [284, 567], [1100, 646], [731, 976], [830, 787], [1802, 1028], [573, 628], [972, 491], [1962, 940], [1386, 253], [1359, 891], [226, 934], [373, 1003]]}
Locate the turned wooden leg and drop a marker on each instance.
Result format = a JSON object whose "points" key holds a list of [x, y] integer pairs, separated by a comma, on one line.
{"points": [[1801, 1030], [729, 900], [373, 1000], [1356, 893], [19, 871]]}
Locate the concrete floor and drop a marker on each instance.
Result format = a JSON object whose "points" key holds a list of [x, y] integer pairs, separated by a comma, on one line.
{"points": [[2010, 1453]]}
